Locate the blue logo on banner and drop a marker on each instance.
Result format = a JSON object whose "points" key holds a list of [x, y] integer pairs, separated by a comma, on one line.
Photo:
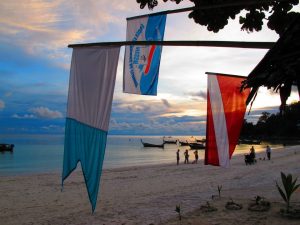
{"points": [[147, 65]]}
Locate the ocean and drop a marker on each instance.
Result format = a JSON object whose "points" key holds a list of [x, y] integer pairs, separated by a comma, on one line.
{"points": [[44, 153]]}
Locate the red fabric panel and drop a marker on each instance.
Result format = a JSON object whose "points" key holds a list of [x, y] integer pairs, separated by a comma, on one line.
{"points": [[234, 103], [211, 151]]}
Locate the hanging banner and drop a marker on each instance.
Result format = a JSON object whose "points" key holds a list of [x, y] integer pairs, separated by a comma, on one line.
{"points": [[91, 87], [141, 63], [226, 107]]}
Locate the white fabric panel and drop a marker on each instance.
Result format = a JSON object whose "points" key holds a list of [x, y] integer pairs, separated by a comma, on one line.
{"points": [[135, 32], [91, 86], [219, 121]]}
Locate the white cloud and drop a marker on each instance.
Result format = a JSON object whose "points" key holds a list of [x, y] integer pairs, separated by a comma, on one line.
{"points": [[47, 27], [2, 104], [25, 116], [53, 128], [44, 112], [8, 94]]}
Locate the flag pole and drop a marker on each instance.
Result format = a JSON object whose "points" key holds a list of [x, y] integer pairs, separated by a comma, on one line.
{"points": [[228, 44], [207, 7]]}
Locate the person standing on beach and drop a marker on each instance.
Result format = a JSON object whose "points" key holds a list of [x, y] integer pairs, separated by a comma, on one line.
{"points": [[196, 156], [268, 151], [186, 157], [252, 152], [177, 155]]}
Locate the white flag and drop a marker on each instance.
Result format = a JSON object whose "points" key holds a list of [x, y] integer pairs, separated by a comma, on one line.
{"points": [[141, 63], [91, 87]]}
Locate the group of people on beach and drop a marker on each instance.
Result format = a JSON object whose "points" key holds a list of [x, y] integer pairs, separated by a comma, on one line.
{"points": [[186, 156], [268, 152]]}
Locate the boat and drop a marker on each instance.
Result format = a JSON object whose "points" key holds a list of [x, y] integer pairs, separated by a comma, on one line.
{"points": [[196, 146], [170, 141], [184, 143], [203, 140], [6, 147], [152, 145], [249, 142]]}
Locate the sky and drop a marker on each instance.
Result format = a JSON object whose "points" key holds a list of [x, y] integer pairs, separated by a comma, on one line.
{"points": [[35, 63]]}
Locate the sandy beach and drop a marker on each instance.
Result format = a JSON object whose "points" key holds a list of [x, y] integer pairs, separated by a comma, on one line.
{"points": [[149, 194]]}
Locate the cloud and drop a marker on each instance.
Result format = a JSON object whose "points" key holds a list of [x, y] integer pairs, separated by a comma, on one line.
{"points": [[45, 28], [52, 127], [8, 94], [44, 112], [49, 26], [199, 94], [25, 116], [158, 126], [150, 117], [152, 108], [166, 103], [2, 104]]}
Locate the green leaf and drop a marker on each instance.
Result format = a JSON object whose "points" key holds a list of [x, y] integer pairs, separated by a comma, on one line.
{"points": [[296, 187], [242, 20], [283, 179], [289, 182], [294, 182], [177, 209], [281, 192]]}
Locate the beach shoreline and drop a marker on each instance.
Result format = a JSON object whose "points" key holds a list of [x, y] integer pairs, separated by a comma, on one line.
{"points": [[145, 194]]}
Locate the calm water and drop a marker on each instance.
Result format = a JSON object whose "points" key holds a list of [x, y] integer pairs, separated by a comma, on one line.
{"points": [[44, 153]]}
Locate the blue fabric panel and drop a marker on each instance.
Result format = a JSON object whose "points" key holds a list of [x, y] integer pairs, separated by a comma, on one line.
{"points": [[86, 145], [154, 32]]}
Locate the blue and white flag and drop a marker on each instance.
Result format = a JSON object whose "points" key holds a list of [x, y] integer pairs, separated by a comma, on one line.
{"points": [[141, 63], [91, 87]]}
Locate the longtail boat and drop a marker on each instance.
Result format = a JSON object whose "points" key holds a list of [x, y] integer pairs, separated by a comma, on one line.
{"points": [[196, 146], [152, 145], [184, 143], [6, 147]]}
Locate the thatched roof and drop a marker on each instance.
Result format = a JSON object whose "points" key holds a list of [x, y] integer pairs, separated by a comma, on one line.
{"points": [[280, 67]]}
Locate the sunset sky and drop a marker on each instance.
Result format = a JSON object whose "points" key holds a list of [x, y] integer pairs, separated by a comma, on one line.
{"points": [[35, 62]]}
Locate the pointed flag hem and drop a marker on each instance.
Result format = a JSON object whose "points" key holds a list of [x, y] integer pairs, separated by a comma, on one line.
{"points": [[86, 145]]}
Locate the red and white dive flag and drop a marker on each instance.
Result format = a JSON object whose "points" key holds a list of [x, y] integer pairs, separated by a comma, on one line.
{"points": [[226, 107]]}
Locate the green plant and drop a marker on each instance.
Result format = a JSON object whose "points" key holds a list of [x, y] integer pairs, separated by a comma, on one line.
{"points": [[178, 210], [208, 208], [257, 199], [219, 190], [260, 204], [231, 205], [289, 187]]}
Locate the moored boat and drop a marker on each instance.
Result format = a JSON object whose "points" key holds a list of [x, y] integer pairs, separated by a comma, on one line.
{"points": [[170, 141], [203, 140], [249, 142], [152, 145], [6, 147], [184, 143], [196, 146]]}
